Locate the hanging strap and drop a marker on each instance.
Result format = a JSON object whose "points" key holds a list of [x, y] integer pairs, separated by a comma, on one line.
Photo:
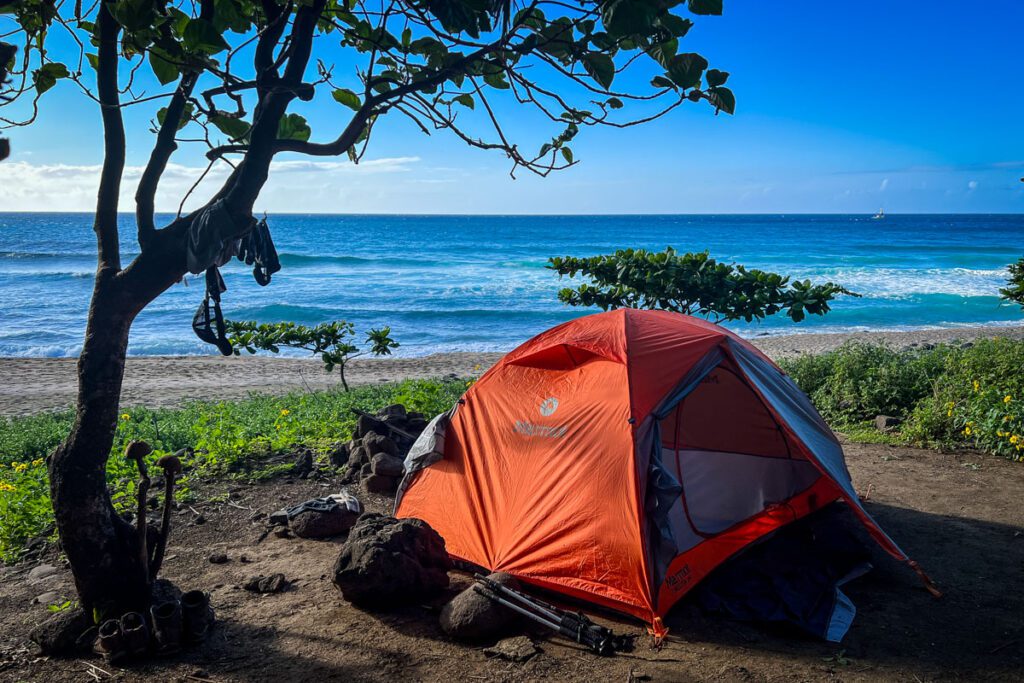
{"points": [[208, 322]]}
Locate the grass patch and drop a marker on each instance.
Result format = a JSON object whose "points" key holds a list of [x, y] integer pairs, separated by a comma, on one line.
{"points": [[226, 438], [949, 396]]}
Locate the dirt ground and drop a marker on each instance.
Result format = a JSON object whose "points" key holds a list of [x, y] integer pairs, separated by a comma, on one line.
{"points": [[961, 516]]}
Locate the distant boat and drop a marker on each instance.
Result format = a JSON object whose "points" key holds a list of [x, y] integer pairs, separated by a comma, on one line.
{"points": [[880, 215]]}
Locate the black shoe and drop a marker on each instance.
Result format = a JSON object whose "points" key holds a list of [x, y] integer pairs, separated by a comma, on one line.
{"points": [[135, 634], [167, 626], [197, 616], [110, 642]]}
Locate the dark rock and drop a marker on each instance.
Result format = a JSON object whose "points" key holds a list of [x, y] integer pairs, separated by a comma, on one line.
{"points": [[366, 470], [517, 649], [378, 483], [218, 558], [471, 616], [62, 634], [388, 562], [256, 516], [275, 583], [43, 572], [359, 455], [313, 524], [303, 464], [199, 520], [886, 423], [340, 455], [387, 465], [379, 444], [366, 424], [283, 532], [416, 425], [47, 598], [396, 410]]}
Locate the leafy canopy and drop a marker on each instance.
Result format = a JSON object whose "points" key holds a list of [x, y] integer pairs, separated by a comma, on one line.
{"points": [[692, 283], [334, 342], [441, 63], [1014, 290]]}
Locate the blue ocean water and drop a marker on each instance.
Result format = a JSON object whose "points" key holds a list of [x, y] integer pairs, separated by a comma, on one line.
{"points": [[475, 283]]}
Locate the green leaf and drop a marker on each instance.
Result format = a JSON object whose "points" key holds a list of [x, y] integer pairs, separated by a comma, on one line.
{"points": [[133, 15], [713, 7], [662, 53], [406, 37], [677, 26], [186, 116], [600, 67], [567, 154], [46, 76], [293, 127], [236, 129], [723, 99], [164, 71], [628, 17], [347, 98], [201, 36], [685, 70], [716, 78], [466, 100], [497, 80], [614, 103], [662, 82], [94, 59]]}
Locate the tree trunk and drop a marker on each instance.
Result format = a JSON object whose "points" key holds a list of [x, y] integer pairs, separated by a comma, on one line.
{"points": [[101, 546]]}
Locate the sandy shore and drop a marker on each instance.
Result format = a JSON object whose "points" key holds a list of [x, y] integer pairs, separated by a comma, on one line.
{"points": [[29, 385]]}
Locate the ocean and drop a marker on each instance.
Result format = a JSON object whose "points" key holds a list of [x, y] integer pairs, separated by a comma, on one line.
{"points": [[479, 283]]}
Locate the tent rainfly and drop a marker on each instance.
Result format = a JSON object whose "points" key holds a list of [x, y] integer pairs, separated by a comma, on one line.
{"points": [[620, 457]]}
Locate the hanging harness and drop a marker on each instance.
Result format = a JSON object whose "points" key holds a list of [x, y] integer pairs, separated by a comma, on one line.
{"points": [[210, 244]]}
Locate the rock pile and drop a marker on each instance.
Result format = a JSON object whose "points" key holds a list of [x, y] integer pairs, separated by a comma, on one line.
{"points": [[387, 562], [473, 617], [374, 457]]}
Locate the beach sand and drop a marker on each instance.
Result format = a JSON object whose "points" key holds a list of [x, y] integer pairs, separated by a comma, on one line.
{"points": [[30, 385]]}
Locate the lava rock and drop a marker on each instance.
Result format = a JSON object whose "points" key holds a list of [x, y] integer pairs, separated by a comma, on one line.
{"points": [[471, 616], [43, 572], [218, 558], [395, 410], [340, 455], [886, 423], [275, 583], [303, 464], [387, 465], [519, 649], [64, 633], [378, 483], [366, 424], [388, 562], [375, 443], [313, 524]]}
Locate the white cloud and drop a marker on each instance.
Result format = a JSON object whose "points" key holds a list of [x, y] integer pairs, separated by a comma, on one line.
{"points": [[972, 185], [884, 184], [25, 186]]}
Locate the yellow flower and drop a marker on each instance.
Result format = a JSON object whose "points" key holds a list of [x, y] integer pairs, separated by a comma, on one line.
{"points": [[976, 385], [1000, 432], [285, 411], [125, 416], [970, 423], [1007, 398], [4, 486], [1014, 439], [37, 462], [277, 426], [1006, 418], [949, 413], [19, 466], [967, 431]]}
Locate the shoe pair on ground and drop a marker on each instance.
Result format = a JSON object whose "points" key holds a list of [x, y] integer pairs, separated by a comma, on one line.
{"points": [[171, 625]]}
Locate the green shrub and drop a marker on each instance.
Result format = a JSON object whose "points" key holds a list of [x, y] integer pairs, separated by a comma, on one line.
{"points": [[949, 396], [227, 438]]}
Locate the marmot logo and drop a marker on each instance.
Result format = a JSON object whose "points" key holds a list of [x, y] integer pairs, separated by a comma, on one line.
{"points": [[548, 406]]}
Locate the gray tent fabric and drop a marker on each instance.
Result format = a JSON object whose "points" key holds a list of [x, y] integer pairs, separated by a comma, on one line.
{"points": [[795, 409], [426, 450]]}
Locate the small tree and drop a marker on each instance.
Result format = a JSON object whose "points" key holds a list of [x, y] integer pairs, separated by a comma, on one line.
{"points": [[332, 342], [231, 73], [1014, 290], [695, 284]]}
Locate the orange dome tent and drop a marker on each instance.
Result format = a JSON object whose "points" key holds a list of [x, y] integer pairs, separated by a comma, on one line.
{"points": [[622, 456]]}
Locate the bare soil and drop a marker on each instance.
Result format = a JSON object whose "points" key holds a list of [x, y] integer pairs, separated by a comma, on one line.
{"points": [[960, 515]]}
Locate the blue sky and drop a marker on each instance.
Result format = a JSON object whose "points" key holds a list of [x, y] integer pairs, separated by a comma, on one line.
{"points": [[842, 107]]}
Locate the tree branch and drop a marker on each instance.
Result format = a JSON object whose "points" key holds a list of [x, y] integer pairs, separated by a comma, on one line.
{"points": [[105, 224], [145, 195]]}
